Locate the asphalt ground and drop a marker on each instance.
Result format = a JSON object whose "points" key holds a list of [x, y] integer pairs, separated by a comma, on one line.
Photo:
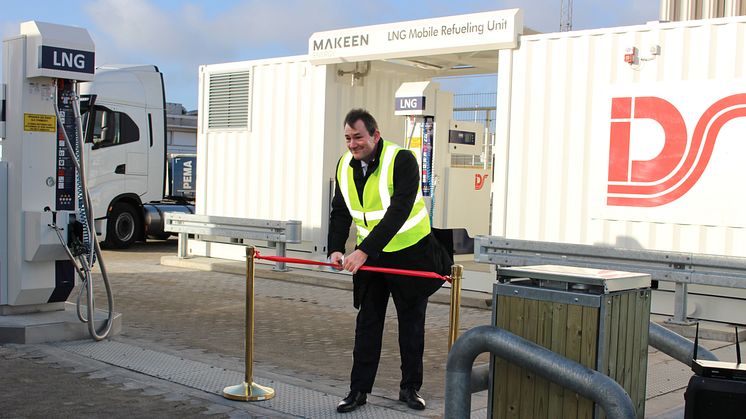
{"points": [[303, 334], [301, 331]]}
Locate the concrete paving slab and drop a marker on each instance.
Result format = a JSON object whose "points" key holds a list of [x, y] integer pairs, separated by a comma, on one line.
{"points": [[303, 341]]}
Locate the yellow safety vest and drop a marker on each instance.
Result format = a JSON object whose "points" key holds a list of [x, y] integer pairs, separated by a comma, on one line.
{"points": [[376, 199]]}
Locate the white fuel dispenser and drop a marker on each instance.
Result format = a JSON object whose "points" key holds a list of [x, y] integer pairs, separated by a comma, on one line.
{"points": [[44, 222], [455, 178]]}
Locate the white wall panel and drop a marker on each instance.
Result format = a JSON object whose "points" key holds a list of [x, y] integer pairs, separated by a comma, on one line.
{"points": [[282, 167], [275, 169], [555, 169]]}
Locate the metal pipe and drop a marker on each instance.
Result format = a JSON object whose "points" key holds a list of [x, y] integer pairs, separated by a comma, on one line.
{"points": [[537, 359], [675, 345], [480, 378], [457, 272], [660, 338]]}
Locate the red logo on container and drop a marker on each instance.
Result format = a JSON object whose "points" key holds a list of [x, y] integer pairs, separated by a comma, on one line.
{"points": [[669, 175], [479, 181]]}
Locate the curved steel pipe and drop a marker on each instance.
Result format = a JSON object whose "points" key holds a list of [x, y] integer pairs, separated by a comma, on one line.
{"points": [[660, 338], [480, 378], [676, 346], [537, 359]]}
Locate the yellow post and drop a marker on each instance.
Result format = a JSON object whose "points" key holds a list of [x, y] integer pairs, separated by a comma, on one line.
{"points": [[457, 272], [249, 390]]}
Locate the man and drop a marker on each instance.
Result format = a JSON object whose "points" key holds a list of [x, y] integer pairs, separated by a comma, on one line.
{"points": [[378, 187]]}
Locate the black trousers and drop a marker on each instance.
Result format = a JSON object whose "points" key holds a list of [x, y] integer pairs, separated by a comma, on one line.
{"points": [[369, 333]]}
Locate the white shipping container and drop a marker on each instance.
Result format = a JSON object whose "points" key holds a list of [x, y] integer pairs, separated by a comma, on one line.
{"points": [[647, 154], [270, 131], [276, 160], [552, 158]]}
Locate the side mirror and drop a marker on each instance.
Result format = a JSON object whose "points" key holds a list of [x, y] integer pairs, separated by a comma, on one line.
{"points": [[86, 103]]}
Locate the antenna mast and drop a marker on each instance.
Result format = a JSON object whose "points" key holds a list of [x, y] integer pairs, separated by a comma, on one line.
{"points": [[565, 15]]}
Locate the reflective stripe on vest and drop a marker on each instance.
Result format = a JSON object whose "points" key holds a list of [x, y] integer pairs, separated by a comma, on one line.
{"points": [[377, 198]]}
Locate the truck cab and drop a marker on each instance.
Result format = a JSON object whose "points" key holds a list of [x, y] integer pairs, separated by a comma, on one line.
{"points": [[125, 149]]}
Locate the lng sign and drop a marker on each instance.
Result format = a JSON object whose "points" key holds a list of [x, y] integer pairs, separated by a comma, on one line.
{"points": [[463, 33]]}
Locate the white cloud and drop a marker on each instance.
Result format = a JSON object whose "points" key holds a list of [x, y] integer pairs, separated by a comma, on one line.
{"points": [[189, 33], [179, 40]]}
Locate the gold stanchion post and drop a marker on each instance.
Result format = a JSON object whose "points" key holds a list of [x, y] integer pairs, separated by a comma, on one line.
{"points": [[249, 390], [457, 272]]}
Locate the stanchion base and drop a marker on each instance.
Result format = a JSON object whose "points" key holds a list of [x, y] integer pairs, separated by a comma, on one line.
{"points": [[248, 393]]}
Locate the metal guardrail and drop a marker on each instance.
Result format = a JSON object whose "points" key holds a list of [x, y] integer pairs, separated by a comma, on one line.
{"points": [[274, 232], [678, 267]]}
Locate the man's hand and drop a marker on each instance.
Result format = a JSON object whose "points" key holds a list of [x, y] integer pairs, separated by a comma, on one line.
{"points": [[337, 258], [353, 262]]}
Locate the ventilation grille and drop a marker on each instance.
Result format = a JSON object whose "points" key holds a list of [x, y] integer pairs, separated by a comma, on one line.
{"points": [[230, 96]]}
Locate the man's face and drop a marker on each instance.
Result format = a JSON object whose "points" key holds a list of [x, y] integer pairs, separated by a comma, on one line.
{"points": [[360, 143]]}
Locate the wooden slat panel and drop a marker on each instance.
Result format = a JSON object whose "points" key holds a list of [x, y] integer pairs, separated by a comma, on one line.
{"points": [[588, 351], [500, 387], [543, 338], [642, 352], [628, 301], [634, 350], [515, 373], [616, 325], [613, 342], [528, 380], [559, 322], [573, 342], [604, 356]]}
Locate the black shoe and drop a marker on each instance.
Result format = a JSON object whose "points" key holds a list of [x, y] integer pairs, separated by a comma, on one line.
{"points": [[352, 401], [411, 398]]}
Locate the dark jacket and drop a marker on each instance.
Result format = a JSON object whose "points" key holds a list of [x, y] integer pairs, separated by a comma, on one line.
{"points": [[426, 255]]}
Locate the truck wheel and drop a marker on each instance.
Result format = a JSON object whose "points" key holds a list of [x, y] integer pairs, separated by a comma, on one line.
{"points": [[122, 227]]}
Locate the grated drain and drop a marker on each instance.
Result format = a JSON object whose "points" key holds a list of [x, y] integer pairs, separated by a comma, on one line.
{"points": [[289, 399]]}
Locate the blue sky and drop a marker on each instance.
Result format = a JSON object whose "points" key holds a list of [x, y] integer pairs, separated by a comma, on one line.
{"points": [[178, 36]]}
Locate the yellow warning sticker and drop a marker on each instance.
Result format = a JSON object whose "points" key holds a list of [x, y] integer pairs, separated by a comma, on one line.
{"points": [[415, 142], [39, 123]]}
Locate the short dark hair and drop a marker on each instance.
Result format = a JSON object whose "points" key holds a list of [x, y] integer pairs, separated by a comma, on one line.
{"points": [[359, 114]]}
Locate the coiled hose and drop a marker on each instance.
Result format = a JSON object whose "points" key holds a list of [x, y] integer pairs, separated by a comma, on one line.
{"points": [[92, 252]]}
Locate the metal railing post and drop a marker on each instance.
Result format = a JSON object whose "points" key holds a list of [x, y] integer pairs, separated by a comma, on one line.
{"points": [[182, 245], [280, 251], [681, 297], [457, 272], [249, 390]]}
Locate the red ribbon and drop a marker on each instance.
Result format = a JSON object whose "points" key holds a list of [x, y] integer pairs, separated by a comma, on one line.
{"points": [[392, 271]]}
